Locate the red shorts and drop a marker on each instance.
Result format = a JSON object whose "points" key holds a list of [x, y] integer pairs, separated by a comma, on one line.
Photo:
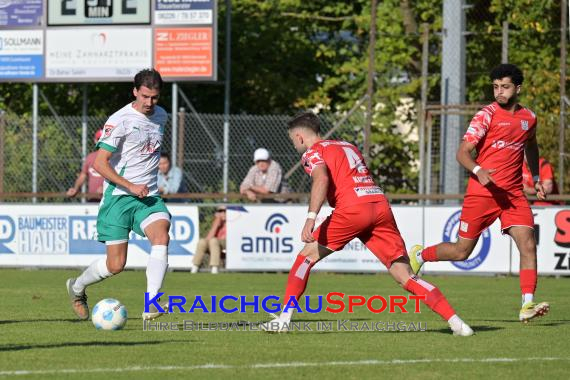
{"points": [[372, 223], [479, 212]]}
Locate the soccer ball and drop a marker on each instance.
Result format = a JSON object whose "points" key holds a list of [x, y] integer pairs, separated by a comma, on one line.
{"points": [[109, 314]]}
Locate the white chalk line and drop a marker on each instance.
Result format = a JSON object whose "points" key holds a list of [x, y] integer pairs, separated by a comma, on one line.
{"points": [[210, 366]]}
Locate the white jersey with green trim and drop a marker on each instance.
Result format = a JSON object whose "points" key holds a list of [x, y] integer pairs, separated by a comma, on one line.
{"points": [[135, 140]]}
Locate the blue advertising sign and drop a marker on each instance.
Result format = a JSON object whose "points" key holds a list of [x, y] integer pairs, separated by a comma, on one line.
{"points": [[21, 12], [21, 54]]}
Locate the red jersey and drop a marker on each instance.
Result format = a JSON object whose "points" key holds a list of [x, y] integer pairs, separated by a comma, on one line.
{"points": [[500, 138], [350, 181], [221, 232], [546, 173]]}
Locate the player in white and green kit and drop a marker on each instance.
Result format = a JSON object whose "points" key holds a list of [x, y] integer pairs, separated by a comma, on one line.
{"points": [[128, 155]]}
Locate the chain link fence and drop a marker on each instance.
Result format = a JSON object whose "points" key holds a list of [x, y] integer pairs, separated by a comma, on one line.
{"points": [[199, 149], [493, 32]]}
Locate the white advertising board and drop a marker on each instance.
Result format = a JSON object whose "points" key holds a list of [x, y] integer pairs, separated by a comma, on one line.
{"points": [[63, 236], [491, 254], [187, 12], [268, 238], [97, 52], [552, 230], [21, 54]]}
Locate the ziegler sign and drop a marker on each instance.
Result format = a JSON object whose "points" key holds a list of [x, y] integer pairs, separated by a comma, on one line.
{"points": [[562, 239]]}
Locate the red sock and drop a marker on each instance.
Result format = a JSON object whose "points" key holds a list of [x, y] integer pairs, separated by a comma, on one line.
{"points": [[298, 277], [428, 254], [435, 300], [528, 281]]}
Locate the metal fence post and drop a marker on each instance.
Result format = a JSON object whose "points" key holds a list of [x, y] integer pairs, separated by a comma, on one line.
{"points": [[562, 123], [370, 81], [174, 124], [227, 87], [181, 125], [422, 114], [35, 96], [84, 137]]}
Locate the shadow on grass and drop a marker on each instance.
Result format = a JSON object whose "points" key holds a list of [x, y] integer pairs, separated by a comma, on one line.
{"points": [[538, 322], [73, 320], [476, 329], [22, 347]]}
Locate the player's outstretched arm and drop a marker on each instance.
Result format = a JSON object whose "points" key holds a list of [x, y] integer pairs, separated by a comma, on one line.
{"points": [[464, 157], [77, 185], [103, 167]]}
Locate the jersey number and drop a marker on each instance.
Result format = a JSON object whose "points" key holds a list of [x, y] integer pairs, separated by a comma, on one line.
{"points": [[353, 159]]}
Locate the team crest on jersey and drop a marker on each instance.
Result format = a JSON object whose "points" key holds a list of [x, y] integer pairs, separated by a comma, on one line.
{"points": [[524, 125], [107, 129]]}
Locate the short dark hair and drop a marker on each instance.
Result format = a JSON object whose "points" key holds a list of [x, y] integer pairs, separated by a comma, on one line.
{"points": [[165, 155], [149, 78], [507, 70], [305, 120]]}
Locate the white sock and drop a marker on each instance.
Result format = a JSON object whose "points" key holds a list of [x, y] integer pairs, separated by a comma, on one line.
{"points": [[156, 269], [419, 257], [286, 315], [94, 273], [527, 297], [455, 322]]}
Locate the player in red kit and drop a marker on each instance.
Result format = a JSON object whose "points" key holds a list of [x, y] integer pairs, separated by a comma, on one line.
{"points": [[546, 174], [501, 134], [340, 175]]}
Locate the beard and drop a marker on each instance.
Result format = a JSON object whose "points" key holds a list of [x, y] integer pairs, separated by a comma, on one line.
{"points": [[506, 103]]}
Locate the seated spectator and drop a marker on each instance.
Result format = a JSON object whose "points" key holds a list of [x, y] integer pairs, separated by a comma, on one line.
{"points": [[213, 243], [94, 179], [263, 178], [546, 174], [169, 177]]}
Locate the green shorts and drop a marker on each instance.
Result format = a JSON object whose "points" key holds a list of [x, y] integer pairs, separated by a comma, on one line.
{"points": [[121, 214]]}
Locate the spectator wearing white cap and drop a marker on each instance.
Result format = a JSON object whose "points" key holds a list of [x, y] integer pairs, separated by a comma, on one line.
{"points": [[263, 178]]}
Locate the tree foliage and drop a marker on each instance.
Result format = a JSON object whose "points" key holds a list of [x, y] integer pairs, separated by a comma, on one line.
{"points": [[534, 45], [291, 54]]}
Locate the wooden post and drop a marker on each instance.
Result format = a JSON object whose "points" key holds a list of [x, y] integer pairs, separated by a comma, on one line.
{"points": [[505, 43]]}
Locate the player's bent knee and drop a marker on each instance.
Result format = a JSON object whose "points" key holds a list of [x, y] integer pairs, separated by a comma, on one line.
{"points": [[400, 270], [311, 251], [161, 239], [115, 267], [528, 248], [462, 254]]}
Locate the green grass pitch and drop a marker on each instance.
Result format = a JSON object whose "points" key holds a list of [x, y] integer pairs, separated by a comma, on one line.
{"points": [[39, 336]]}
